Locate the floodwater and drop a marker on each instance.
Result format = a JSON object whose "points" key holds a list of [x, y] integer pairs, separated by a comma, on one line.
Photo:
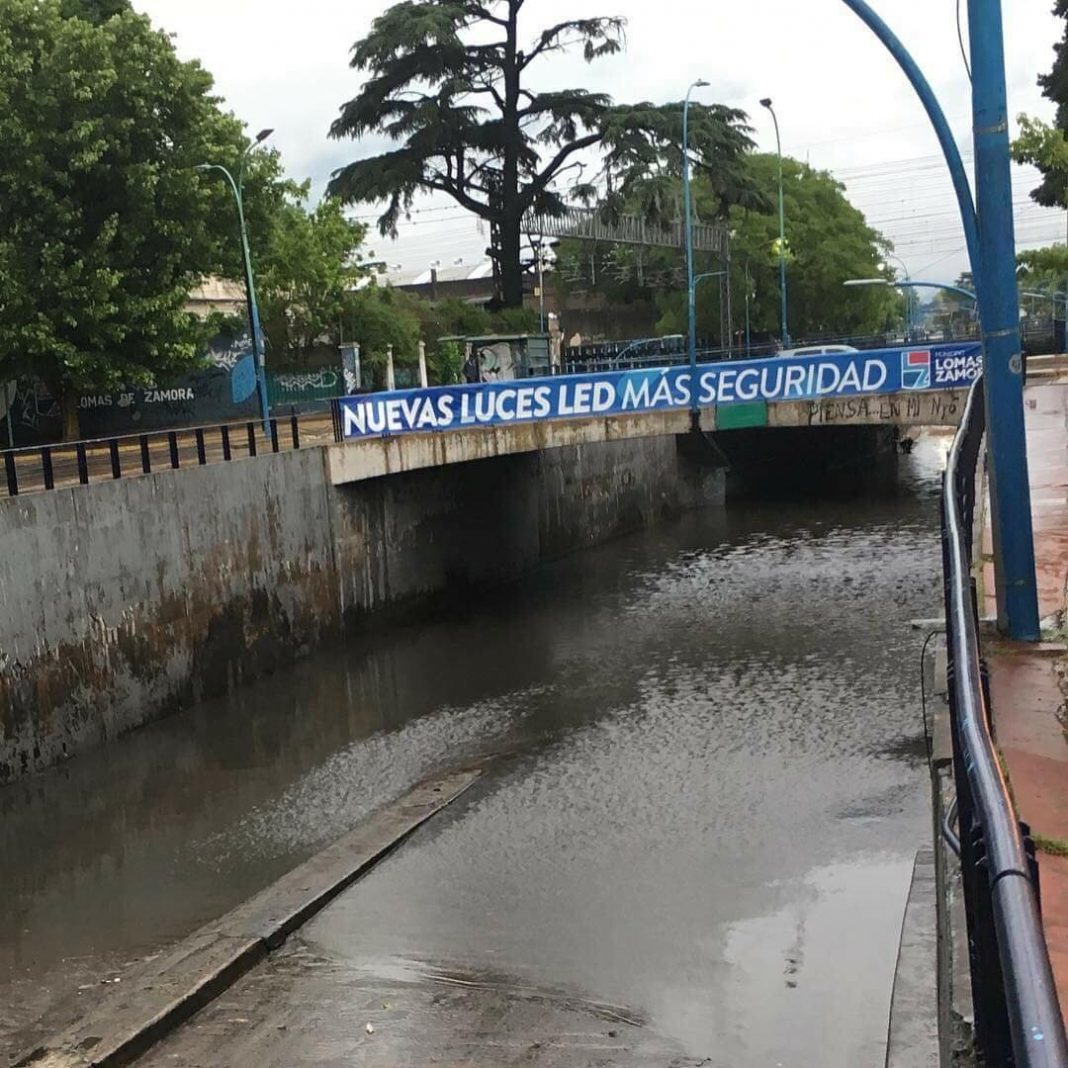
{"points": [[709, 791]]}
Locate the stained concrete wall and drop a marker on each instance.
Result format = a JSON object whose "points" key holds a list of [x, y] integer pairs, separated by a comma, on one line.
{"points": [[434, 529], [125, 600]]}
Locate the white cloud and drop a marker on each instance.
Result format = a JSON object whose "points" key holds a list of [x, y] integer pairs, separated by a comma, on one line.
{"points": [[842, 102]]}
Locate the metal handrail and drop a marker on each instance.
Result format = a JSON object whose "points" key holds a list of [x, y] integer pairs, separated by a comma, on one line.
{"points": [[85, 452], [1018, 1017]]}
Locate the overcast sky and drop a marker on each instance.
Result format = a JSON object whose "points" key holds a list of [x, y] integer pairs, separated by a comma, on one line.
{"points": [[842, 103]]}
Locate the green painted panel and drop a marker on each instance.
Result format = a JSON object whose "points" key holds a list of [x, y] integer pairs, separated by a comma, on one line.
{"points": [[740, 416]]}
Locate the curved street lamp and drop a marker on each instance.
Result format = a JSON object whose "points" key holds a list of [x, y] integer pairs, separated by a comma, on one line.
{"points": [[766, 103], [992, 254], [910, 285], [643, 341], [237, 188], [959, 290]]}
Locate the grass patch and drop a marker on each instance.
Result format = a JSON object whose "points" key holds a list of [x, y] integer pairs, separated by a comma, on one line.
{"points": [[1004, 765], [1054, 847]]}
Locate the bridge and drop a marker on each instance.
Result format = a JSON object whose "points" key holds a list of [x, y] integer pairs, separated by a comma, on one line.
{"points": [[387, 433]]}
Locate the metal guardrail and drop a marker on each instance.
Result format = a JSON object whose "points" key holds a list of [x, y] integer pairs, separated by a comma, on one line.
{"points": [[48, 467], [1018, 1019]]}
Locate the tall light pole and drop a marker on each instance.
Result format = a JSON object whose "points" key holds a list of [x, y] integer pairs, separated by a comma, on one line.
{"points": [[766, 102], [698, 279], [748, 298], [691, 303], [237, 187], [540, 250]]}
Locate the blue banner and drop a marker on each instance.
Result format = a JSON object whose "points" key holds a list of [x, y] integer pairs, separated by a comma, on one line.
{"points": [[779, 378]]}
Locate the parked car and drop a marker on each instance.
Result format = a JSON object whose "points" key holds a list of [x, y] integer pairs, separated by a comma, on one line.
{"points": [[817, 350]]}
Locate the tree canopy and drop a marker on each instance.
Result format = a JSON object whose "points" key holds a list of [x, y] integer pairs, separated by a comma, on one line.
{"points": [[307, 273], [450, 82], [105, 224], [95, 11], [1043, 268], [1043, 144]]}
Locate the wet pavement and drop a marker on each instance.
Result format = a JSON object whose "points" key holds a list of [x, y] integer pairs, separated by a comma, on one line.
{"points": [[1028, 682], [694, 848]]}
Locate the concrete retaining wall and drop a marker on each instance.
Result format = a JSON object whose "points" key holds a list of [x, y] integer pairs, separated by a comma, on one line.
{"points": [[125, 600]]}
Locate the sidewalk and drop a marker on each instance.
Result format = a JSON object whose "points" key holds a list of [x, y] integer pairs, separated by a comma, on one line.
{"points": [[1025, 680]]}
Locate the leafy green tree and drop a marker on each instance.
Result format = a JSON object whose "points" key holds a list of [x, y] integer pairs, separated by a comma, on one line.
{"points": [[451, 81], [378, 317], [1046, 147], [94, 11], [828, 241], [953, 312], [448, 362], [105, 225], [306, 274], [1044, 269], [1043, 144]]}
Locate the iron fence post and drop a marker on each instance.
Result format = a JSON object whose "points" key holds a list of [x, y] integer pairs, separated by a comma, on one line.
{"points": [[11, 470]]}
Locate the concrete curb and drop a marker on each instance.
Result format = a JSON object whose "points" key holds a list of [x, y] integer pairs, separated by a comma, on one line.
{"points": [[158, 996], [912, 1041]]}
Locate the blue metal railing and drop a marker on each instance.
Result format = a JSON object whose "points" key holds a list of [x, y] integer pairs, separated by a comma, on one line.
{"points": [[1018, 1019]]}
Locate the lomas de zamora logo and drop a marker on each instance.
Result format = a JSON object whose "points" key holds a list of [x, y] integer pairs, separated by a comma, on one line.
{"points": [[916, 369]]}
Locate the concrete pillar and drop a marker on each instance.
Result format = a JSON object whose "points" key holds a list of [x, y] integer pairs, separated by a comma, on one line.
{"points": [[422, 365], [391, 380]]}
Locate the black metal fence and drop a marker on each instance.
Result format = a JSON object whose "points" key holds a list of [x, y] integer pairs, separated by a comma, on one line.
{"points": [[1043, 335], [1018, 1019], [47, 467]]}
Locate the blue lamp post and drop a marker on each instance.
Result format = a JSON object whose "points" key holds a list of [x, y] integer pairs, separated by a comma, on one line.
{"points": [[992, 253], [766, 102], [237, 188], [691, 305]]}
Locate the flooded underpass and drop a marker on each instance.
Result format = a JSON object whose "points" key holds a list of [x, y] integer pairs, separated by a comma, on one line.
{"points": [[705, 787]]}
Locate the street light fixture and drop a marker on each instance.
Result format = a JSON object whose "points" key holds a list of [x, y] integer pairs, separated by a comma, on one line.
{"points": [[696, 282], [691, 308], [237, 188], [643, 341], [766, 102], [911, 284]]}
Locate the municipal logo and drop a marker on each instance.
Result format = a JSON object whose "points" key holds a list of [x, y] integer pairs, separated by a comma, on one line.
{"points": [[916, 370]]}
